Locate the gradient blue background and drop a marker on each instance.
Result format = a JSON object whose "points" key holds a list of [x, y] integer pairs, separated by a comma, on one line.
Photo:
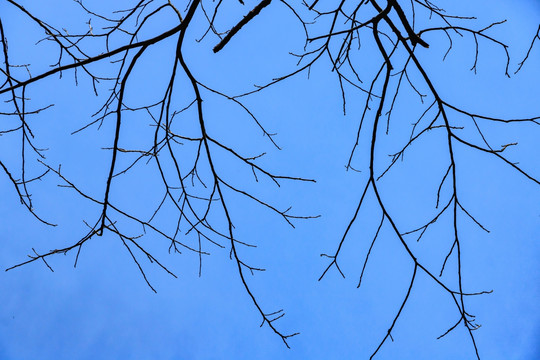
{"points": [[104, 310]]}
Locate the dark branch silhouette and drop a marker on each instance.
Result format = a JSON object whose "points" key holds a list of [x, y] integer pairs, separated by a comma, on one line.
{"points": [[189, 160]]}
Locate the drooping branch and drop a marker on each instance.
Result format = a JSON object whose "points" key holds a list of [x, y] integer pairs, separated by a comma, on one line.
{"points": [[188, 164]]}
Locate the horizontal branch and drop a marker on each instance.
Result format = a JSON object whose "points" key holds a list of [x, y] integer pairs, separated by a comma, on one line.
{"points": [[93, 59]]}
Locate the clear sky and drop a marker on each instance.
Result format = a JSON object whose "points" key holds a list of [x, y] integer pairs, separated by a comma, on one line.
{"points": [[103, 309]]}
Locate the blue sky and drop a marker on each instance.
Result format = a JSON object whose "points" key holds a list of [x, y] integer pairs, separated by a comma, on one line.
{"points": [[103, 309]]}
